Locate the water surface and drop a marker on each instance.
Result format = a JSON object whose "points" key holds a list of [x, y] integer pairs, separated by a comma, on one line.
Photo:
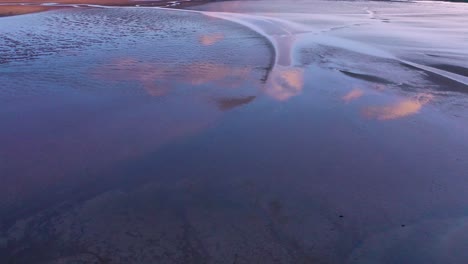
{"points": [[244, 132]]}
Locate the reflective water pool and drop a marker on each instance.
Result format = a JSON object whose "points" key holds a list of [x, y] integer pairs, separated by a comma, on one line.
{"points": [[243, 132]]}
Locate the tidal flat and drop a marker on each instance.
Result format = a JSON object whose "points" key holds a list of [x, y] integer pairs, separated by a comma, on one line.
{"points": [[233, 132]]}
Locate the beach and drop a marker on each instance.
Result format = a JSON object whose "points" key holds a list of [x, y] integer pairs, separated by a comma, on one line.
{"points": [[18, 7], [233, 132]]}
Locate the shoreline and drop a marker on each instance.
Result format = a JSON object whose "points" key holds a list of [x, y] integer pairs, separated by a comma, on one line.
{"points": [[15, 8]]}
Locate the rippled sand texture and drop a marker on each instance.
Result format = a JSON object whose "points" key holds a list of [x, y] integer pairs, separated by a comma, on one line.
{"points": [[245, 132], [20, 7]]}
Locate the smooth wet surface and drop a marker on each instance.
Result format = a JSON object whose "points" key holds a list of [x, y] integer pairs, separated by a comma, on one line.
{"points": [[332, 132]]}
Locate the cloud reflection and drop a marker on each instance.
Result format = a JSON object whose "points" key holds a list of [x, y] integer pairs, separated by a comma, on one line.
{"points": [[400, 109], [211, 39], [159, 78], [284, 82], [352, 95]]}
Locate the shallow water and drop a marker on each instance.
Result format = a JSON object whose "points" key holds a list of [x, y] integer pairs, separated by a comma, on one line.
{"points": [[248, 132]]}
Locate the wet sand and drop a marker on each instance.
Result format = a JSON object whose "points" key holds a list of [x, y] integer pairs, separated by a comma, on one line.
{"points": [[16, 7], [242, 132], [13, 10]]}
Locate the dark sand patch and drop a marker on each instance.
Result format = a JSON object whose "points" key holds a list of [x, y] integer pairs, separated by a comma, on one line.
{"points": [[366, 77], [226, 104], [443, 83], [452, 68]]}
